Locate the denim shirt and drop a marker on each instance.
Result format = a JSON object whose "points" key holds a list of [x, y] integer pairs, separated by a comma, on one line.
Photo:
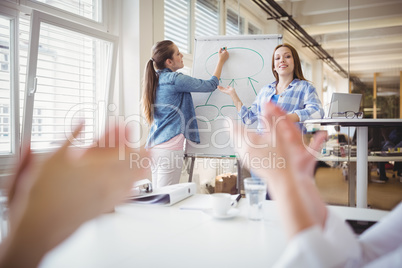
{"points": [[174, 112], [300, 97]]}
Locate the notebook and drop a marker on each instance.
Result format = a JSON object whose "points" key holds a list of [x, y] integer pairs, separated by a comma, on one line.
{"points": [[343, 102]]}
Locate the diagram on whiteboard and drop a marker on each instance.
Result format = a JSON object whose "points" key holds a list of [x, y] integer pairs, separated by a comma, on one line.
{"points": [[248, 69], [234, 77]]}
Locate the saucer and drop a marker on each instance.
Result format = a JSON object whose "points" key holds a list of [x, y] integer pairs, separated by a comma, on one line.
{"points": [[230, 214]]}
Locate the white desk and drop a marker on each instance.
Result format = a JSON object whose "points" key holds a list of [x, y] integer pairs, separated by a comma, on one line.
{"points": [[362, 152], [150, 236]]}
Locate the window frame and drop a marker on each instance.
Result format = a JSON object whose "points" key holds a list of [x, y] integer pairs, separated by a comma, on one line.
{"points": [[100, 25], [38, 17], [7, 160]]}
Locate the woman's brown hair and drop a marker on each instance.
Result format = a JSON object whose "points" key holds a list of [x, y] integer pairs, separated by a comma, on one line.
{"points": [[161, 51], [297, 72]]}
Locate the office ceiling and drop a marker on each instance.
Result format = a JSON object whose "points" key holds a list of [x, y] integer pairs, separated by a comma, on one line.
{"points": [[375, 35]]}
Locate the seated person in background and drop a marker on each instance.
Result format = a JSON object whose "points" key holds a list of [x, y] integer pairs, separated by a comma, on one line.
{"points": [[341, 137], [317, 237], [392, 143], [47, 204], [386, 139]]}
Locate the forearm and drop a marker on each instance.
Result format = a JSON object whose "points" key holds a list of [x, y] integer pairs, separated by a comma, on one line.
{"points": [[316, 206], [236, 101], [218, 69], [311, 111], [33, 236], [292, 205], [20, 243], [300, 203]]}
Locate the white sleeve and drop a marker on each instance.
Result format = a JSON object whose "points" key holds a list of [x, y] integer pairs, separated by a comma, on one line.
{"points": [[389, 260], [335, 246], [382, 238]]}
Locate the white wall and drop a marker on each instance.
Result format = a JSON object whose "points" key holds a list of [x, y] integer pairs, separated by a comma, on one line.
{"points": [[136, 41]]}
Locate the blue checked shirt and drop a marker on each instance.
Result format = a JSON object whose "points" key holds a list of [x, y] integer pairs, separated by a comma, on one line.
{"points": [[300, 98]]}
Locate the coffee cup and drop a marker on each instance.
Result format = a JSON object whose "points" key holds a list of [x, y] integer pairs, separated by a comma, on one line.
{"points": [[221, 203]]}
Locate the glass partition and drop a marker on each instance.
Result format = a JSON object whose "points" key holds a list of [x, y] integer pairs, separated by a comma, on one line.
{"points": [[375, 69]]}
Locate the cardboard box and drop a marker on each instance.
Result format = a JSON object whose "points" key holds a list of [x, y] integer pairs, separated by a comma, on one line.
{"points": [[226, 183]]}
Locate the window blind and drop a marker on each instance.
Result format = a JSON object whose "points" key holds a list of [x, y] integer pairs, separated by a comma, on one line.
{"points": [[177, 23], [90, 9], [252, 29], [206, 18], [232, 23]]}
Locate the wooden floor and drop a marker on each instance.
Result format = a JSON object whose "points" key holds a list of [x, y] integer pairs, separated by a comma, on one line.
{"points": [[334, 189]]}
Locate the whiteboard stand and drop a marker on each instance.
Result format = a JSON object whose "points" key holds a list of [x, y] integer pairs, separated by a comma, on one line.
{"points": [[192, 163], [190, 173]]}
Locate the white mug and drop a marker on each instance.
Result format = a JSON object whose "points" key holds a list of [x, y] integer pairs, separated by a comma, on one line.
{"points": [[221, 203]]}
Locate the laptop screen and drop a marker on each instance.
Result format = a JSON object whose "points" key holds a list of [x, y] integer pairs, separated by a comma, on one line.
{"points": [[343, 102]]}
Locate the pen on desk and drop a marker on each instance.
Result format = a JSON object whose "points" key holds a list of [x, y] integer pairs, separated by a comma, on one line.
{"points": [[234, 203]]}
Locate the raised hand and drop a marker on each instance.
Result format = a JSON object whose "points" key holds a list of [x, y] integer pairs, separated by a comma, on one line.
{"points": [[279, 156], [280, 144], [223, 54], [52, 200]]}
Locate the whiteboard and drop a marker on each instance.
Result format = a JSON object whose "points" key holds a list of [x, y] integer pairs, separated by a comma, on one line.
{"points": [[248, 69]]}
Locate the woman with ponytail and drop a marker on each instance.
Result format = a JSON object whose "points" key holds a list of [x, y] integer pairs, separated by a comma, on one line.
{"points": [[169, 110]]}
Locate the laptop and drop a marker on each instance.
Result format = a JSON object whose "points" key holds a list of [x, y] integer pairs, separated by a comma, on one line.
{"points": [[343, 102]]}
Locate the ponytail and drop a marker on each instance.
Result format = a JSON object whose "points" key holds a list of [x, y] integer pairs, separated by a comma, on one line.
{"points": [[161, 51], [150, 82]]}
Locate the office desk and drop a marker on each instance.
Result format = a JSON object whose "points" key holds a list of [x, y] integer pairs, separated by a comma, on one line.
{"points": [[362, 151], [154, 236]]}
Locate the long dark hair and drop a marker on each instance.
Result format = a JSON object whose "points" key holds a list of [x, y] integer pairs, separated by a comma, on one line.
{"points": [[297, 72], [161, 51]]}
